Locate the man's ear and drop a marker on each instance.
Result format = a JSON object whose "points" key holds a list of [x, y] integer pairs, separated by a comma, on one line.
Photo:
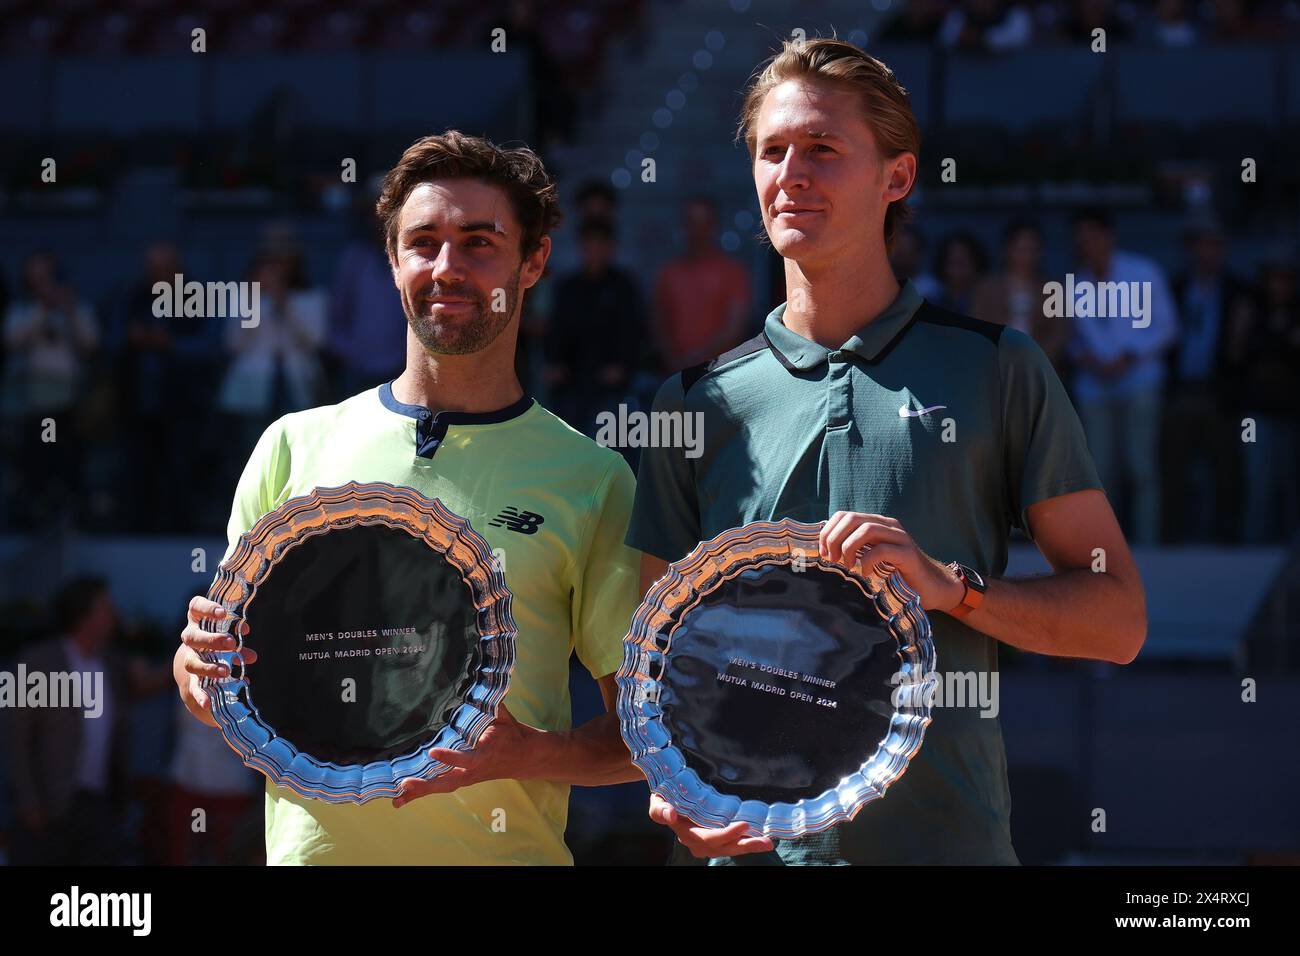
{"points": [[535, 263], [901, 173]]}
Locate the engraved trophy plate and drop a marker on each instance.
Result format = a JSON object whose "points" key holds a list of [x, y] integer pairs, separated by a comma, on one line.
{"points": [[761, 683], [383, 627]]}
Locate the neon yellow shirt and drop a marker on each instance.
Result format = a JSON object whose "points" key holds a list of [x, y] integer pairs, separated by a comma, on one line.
{"points": [[554, 506]]}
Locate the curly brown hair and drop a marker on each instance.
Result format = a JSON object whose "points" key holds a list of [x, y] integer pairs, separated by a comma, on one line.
{"points": [[884, 100], [455, 155]]}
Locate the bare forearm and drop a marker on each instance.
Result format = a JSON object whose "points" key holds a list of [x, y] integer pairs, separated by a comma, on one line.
{"points": [[592, 755], [1074, 613]]}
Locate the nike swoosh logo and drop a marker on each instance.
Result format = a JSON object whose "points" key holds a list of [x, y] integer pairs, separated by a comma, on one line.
{"points": [[905, 412]]}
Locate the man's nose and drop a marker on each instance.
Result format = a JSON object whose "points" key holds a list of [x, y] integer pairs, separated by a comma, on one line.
{"points": [[447, 264], [793, 172]]}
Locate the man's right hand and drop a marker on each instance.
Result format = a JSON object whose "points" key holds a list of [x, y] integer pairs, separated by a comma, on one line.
{"points": [[189, 667], [733, 840]]}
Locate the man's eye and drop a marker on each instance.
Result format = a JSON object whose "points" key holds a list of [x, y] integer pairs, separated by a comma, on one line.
{"points": [[478, 241], [822, 146], [772, 149]]}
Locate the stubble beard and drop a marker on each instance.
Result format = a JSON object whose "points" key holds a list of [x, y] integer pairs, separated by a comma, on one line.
{"points": [[462, 335]]}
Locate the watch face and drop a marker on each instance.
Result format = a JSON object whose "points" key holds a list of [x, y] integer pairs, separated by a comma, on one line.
{"points": [[973, 577]]}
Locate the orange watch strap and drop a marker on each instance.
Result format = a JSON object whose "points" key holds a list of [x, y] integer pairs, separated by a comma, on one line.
{"points": [[969, 602]]}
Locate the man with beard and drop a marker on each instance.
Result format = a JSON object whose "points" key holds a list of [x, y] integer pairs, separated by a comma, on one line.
{"points": [[466, 229]]}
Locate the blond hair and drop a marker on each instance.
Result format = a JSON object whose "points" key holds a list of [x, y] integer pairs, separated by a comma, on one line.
{"points": [[884, 100]]}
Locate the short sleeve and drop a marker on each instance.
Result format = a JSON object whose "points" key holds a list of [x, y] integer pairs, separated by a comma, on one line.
{"points": [[264, 476], [1046, 451], [666, 515], [607, 591]]}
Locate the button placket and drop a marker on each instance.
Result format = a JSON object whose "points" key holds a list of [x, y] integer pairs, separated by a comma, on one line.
{"points": [[429, 433], [838, 398], [838, 409]]}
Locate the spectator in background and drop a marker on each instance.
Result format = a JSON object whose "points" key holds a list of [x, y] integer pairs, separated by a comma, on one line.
{"points": [[1267, 344], [702, 298], [1201, 436], [49, 334], [1015, 296], [67, 765], [165, 377], [987, 25], [1120, 369], [597, 332], [908, 259], [151, 743], [596, 199], [960, 264], [274, 365], [367, 328], [207, 775]]}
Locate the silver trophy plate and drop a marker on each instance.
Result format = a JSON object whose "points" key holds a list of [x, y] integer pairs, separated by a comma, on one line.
{"points": [[764, 684]]}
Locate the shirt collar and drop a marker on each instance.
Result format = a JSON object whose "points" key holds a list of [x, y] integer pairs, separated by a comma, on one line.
{"points": [[420, 413], [870, 342]]}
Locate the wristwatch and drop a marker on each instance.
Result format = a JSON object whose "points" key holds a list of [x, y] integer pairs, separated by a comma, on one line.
{"points": [[975, 588]]}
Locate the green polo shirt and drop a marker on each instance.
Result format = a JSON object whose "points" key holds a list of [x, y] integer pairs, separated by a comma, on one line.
{"points": [[952, 426]]}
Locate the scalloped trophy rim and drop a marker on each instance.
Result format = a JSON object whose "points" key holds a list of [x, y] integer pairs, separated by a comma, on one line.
{"points": [[374, 503], [709, 565]]}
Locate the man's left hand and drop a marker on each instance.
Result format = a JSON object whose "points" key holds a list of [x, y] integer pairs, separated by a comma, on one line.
{"points": [[846, 533], [508, 750]]}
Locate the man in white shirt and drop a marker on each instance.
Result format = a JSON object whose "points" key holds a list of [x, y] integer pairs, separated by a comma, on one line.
{"points": [[1118, 354]]}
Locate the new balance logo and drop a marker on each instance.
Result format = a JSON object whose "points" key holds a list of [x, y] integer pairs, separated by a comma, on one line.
{"points": [[525, 522]]}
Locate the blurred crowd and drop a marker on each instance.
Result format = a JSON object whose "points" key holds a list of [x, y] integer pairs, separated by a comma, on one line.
{"points": [[144, 782], [564, 42], [570, 33], [116, 419], [1190, 409], [997, 25], [1192, 414]]}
